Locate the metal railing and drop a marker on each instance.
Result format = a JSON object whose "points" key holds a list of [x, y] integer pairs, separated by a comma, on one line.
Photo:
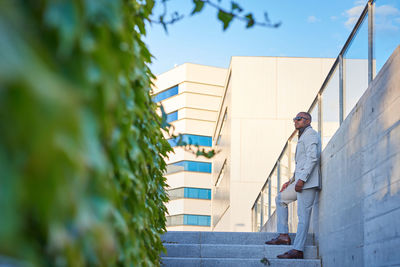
{"points": [[351, 73]]}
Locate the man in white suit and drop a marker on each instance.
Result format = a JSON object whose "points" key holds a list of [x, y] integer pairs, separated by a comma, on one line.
{"points": [[301, 187]]}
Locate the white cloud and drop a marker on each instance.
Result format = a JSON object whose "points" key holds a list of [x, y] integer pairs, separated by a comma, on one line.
{"points": [[334, 18], [312, 19], [352, 15], [386, 16], [350, 22], [361, 2], [355, 11], [386, 27], [386, 10]]}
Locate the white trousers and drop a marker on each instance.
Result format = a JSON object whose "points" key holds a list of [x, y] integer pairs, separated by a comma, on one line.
{"points": [[305, 201]]}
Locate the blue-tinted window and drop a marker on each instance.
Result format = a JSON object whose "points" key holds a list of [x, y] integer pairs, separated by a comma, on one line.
{"points": [[192, 139], [172, 116], [202, 220], [197, 193], [166, 94], [194, 166]]}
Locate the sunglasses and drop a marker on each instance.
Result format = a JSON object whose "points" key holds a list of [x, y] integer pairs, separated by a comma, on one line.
{"points": [[298, 118]]}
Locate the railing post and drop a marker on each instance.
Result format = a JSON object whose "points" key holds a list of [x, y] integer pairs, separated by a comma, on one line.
{"points": [[269, 198], [262, 211], [278, 176], [320, 129], [320, 115], [371, 69], [341, 90], [289, 148], [256, 215]]}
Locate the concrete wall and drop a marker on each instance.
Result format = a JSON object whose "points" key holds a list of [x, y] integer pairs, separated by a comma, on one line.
{"points": [[357, 214]]}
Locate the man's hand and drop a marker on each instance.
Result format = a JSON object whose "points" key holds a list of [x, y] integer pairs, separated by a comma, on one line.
{"points": [[299, 186], [285, 185]]}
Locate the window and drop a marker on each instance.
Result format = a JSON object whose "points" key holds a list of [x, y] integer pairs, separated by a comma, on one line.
{"points": [[199, 193], [192, 139], [201, 220], [189, 219], [176, 193], [174, 220], [166, 94], [189, 192], [173, 116], [193, 166]]}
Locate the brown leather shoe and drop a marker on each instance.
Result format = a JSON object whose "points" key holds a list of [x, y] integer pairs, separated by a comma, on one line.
{"points": [[292, 254], [279, 241]]}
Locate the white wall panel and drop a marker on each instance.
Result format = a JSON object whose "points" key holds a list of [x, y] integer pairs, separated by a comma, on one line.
{"points": [[201, 88], [188, 228], [191, 126], [180, 154], [189, 206], [189, 179]]}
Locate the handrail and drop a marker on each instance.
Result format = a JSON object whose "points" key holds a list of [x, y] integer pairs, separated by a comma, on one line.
{"points": [[337, 65]]}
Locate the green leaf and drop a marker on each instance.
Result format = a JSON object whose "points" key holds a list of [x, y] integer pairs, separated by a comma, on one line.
{"points": [[87, 178], [235, 6], [199, 4], [250, 20], [265, 261], [225, 18]]}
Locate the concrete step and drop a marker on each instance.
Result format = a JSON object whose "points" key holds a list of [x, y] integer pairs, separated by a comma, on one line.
{"points": [[242, 238], [232, 251], [237, 262]]}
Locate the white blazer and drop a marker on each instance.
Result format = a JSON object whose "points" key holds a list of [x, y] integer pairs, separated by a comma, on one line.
{"points": [[307, 159]]}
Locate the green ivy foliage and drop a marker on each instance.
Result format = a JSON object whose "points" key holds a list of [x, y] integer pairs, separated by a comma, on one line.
{"points": [[81, 147], [81, 150]]}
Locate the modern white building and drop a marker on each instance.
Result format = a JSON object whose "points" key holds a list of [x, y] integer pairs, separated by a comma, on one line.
{"points": [[191, 95], [246, 114], [261, 96]]}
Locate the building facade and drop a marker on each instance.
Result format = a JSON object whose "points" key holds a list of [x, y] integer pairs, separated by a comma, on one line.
{"points": [[191, 95], [261, 96]]}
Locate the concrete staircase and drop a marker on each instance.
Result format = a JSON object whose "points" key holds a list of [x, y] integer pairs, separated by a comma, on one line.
{"points": [[231, 249]]}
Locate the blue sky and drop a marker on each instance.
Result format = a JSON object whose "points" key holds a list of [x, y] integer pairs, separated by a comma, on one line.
{"points": [[310, 28]]}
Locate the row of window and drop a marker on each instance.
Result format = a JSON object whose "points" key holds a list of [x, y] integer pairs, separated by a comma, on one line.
{"points": [[166, 94], [192, 140], [173, 116], [189, 219], [189, 192], [188, 165]]}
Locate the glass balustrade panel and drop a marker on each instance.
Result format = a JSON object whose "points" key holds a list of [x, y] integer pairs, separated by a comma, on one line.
{"points": [[284, 167], [258, 218], [386, 30], [355, 68], [330, 108], [314, 116], [274, 188], [292, 154], [265, 204], [254, 218]]}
